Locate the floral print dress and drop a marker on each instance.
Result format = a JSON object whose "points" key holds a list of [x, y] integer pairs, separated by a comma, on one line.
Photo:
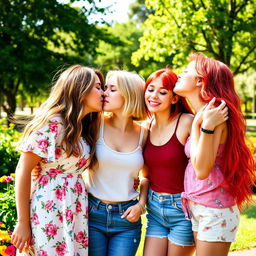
{"points": [[59, 202]]}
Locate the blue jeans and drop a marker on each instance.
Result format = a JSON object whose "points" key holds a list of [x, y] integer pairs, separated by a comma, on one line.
{"points": [[165, 218], [109, 234]]}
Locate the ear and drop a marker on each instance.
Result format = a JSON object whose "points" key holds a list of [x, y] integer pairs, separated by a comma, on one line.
{"points": [[199, 81], [175, 99]]}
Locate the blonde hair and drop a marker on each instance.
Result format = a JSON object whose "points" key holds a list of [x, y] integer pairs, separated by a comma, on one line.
{"points": [[131, 87], [67, 100]]}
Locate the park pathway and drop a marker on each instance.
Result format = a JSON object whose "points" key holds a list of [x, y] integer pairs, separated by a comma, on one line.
{"points": [[250, 252]]}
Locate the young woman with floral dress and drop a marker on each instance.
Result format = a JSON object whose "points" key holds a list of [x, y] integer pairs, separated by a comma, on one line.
{"points": [[61, 140]]}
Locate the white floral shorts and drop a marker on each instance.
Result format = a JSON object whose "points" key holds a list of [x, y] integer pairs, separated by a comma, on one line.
{"points": [[213, 224]]}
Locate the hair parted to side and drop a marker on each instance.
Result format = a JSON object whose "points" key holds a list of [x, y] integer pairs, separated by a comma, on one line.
{"points": [[66, 99], [169, 79], [131, 87], [218, 81]]}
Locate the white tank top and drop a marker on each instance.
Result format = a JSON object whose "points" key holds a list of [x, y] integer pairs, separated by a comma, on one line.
{"points": [[114, 178]]}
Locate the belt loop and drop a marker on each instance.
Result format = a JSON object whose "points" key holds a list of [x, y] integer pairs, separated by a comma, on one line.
{"points": [[97, 204], [120, 209], [172, 198]]}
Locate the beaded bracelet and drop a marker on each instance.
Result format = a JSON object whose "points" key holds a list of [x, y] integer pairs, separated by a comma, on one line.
{"points": [[142, 208], [207, 131]]}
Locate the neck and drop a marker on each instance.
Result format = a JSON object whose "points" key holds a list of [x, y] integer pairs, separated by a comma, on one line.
{"points": [[162, 119], [195, 102], [121, 122]]}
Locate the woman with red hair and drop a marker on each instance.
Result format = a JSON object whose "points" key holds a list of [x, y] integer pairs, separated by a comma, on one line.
{"points": [[219, 175], [168, 232]]}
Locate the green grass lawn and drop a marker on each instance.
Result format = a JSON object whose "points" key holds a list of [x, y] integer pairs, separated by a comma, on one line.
{"points": [[246, 235]]}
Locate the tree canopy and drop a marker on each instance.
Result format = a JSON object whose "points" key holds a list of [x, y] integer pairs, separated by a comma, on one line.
{"points": [[223, 29], [36, 37]]}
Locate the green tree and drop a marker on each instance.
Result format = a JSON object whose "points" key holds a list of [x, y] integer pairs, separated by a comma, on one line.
{"points": [[36, 37], [117, 54], [223, 29]]}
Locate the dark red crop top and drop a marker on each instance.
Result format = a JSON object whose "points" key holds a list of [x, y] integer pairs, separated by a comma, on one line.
{"points": [[166, 165]]}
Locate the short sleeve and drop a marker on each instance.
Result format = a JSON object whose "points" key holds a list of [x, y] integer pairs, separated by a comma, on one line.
{"points": [[45, 141]]}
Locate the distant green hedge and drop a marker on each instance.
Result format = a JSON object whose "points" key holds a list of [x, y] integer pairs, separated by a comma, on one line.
{"points": [[8, 154]]}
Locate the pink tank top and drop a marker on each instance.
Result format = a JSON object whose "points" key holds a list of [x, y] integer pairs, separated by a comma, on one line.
{"points": [[212, 191]]}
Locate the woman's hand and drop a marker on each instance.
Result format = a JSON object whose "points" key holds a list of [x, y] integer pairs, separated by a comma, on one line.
{"points": [[21, 236], [136, 183], [213, 116], [36, 172], [133, 212]]}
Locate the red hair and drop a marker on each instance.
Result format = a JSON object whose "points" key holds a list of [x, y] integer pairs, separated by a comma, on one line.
{"points": [[238, 167], [169, 79]]}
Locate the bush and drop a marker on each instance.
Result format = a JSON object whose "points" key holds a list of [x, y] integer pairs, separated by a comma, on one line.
{"points": [[8, 215], [8, 154]]}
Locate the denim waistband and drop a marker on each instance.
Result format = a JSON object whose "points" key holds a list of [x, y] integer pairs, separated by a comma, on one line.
{"points": [[120, 207], [160, 197]]}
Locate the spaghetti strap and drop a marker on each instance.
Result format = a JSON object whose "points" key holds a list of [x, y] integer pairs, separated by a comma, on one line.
{"points": [[102, 126], [141, 135], [177, 123]]}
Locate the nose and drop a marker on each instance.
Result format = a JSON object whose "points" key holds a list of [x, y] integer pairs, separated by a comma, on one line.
{"points": [[155, 95]]}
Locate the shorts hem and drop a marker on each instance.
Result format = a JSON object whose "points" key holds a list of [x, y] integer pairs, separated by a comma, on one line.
{"points": [[180, 243], [216, 240], [156, 236]]}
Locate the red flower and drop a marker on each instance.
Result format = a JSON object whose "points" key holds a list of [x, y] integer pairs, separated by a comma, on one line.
{"points": [[53, 126], [80, 237], [69, 215], [82, 162], [43, 180], [50, 230], [34, 219], [78, 188], [43, 144], [10, 250], [61, 249], [78, 207], [60, 193]]}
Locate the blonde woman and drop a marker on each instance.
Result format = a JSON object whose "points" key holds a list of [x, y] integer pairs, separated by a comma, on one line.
{"points": [[114, 211], [60, 139]]}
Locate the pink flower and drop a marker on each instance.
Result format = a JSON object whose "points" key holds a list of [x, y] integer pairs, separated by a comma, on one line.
{"points": [[8, 179], [53, 126], [34, 219], [60, 193], [48, 205], [57, 153], [43, 181], [10, 250], [80, 237], [82, 162], [61, 249], [54, 172], [78, 207], [61, 217], [70, 175], [41, 252], [86, 212], [69, 215], [43, 144], [78, 188], [50, 230], [85, 243]]}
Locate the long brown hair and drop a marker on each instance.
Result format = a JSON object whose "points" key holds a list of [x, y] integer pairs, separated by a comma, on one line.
{"points": [[67, 100]]}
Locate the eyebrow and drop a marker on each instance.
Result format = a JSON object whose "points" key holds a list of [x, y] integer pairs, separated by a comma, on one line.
{"points": [[159, 88]]}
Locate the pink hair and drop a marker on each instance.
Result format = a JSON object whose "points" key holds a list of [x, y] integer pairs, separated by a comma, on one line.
{"points": [[238, 166], [169, 79]]}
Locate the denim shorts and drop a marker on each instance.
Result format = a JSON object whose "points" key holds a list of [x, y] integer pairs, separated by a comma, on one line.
{"points": [[109, 234], [165, 218]]}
